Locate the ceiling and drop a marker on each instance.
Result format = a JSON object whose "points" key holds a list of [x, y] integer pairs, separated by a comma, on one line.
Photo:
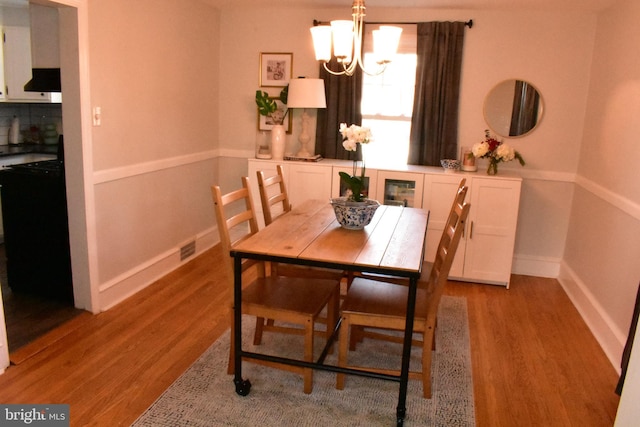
{"points": [[591, 5]]}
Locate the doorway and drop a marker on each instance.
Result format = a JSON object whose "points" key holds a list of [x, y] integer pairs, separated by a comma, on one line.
{"points": [[73, 54], [28, 316]]}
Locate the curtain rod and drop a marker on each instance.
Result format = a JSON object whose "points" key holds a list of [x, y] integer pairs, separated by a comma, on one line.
{"points": [[469, 23]]}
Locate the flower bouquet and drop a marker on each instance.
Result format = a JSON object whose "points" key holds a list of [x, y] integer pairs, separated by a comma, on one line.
{"points": [[496, 151], [355, 211], [354, 135]]}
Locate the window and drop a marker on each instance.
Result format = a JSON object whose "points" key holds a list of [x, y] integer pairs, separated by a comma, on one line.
{"points": [[387, 102]]}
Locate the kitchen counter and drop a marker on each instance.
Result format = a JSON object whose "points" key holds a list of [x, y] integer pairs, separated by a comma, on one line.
{"points": [[18, 149]]}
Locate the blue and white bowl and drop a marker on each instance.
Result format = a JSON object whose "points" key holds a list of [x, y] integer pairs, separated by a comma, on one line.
{"points": [[354, 215], [450, 165]]}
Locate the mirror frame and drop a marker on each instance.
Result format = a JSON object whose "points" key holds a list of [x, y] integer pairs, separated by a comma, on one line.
{"points": [[498, 108]]}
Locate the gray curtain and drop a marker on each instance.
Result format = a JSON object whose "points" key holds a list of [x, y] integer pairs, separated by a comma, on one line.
{"points": [[343, 96], [434, 125], [524, 115]]}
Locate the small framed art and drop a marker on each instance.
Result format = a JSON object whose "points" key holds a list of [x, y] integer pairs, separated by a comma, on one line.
{"points": [[266, 122], [275, 69]]}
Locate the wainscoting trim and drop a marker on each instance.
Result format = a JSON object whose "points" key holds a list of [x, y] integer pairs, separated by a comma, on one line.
{"points": [[536, 266], [127, 284], [624, 204], [610, 338], [123, 172]]}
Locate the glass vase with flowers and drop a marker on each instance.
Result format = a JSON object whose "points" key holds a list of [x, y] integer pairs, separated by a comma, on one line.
{"points": [[496, 151]]}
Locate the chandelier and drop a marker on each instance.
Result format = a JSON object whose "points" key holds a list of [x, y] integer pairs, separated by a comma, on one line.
{"points": [[347, 37]]}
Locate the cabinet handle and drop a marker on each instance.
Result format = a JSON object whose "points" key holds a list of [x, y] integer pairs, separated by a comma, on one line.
{"points": [[471, 231]]}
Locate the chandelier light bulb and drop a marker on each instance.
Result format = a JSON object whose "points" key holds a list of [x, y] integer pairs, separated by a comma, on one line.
{"points": [[347, 38]]}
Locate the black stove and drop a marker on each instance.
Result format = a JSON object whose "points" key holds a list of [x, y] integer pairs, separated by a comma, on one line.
{"points": [[36, 230], [44, 167]]}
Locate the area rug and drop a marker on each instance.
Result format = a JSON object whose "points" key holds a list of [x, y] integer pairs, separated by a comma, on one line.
{"points": [[205, 395]]}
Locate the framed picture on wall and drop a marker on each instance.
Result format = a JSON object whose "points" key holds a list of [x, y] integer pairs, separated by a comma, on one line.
{"points": [[266, 123], [275, 69]]}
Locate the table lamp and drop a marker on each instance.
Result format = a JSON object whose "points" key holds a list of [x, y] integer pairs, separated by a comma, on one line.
{"points": [[306, 93]]}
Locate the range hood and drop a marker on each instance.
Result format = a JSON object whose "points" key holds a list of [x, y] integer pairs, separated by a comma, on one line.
{"points": [[45, 50], [44, 80]]}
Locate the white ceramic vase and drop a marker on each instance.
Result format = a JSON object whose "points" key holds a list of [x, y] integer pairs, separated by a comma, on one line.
{"points": [[277, 142]]}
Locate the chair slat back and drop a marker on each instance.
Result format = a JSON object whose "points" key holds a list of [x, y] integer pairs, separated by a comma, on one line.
{"points": [[236, 218], [446, 251], [273, 191]]}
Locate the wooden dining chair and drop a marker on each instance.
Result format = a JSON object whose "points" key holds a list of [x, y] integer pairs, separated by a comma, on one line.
{"points": [[359, 333], [275, 203], [273, 195], [290, 300], [382, 306], [426, 265]]}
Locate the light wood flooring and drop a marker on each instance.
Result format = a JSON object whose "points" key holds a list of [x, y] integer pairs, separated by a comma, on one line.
{"points": [[535, 363], [29, 316]]}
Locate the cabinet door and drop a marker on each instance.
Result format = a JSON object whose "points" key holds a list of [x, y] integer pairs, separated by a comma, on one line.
{"points": [[400, 188], [491, 231], [338, 190], [17, 65], [439, 192], [309, 182]]}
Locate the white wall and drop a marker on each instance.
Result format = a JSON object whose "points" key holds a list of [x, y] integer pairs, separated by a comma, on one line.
{"points": [[154, 73], [601, 269], [547, 49]]}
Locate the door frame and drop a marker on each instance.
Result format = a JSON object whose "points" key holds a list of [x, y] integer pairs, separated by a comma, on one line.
{"points": [[76, 107]]}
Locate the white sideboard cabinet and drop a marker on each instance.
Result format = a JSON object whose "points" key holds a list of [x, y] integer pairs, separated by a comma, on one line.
{"points": [[485, 253], [338, 189], [400, 188]]}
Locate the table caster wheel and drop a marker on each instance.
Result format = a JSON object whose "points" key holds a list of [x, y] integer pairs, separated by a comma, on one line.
{"points": [[243, 387]]}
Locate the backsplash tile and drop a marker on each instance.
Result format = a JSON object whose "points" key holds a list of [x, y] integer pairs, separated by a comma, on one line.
{"points": [[30, 114]]}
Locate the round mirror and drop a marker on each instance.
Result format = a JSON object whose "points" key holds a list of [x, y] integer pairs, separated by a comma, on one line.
{"points": [[513, 108]]}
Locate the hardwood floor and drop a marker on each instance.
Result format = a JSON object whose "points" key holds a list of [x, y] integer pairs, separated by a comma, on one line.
{"points": [[535, 363], [30, 316]]}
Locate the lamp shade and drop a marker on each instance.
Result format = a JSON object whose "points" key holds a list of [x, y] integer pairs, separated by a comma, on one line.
{"points": [[342, 39], [385, 42], [321, 35], [306, 93]]}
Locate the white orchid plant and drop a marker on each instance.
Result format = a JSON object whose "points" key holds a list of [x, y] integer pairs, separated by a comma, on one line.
{"points": [[352, 136], [496, 151]]}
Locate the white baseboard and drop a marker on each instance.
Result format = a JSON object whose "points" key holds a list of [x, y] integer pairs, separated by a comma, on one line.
{"points": [[133, 281], [610, 338], [536, 266]]}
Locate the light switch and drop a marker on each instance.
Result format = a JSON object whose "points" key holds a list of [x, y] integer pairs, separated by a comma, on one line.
{"points": [[97, 116]]}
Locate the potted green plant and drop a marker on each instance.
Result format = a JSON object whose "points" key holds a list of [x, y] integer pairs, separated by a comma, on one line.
{"points": [[269, 107]]}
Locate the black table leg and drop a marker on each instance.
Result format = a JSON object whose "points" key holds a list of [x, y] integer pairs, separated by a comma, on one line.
{"points": [[243, 387], [406, 352]]}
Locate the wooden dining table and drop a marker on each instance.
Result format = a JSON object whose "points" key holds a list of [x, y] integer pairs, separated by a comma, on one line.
{"points": [[392, 244]]}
